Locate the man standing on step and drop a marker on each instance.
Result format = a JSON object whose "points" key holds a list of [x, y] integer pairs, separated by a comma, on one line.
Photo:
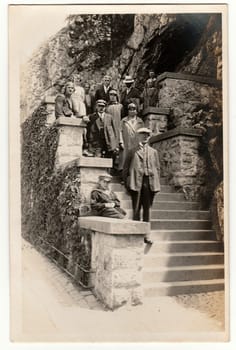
{"points": [[104, 202], [101, 132], [141, 174]]}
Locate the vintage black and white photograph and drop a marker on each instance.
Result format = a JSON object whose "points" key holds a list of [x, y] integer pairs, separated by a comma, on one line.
{"points": [[120, 143]]}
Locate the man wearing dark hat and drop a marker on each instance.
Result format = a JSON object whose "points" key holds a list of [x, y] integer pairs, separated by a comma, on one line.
{"points": [[104, 202], [130, 95], [101, 132], [141, 174]]}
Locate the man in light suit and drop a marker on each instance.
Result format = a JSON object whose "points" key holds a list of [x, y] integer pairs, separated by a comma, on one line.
{"points": [[141, 174]]}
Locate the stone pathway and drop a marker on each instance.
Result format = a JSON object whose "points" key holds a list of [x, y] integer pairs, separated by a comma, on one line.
{"points": [[54, 309]]}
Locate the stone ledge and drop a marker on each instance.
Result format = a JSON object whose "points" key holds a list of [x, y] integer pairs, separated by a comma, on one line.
{"points": [[191, 77], [156, 110], [114, 226], [176, 132], [70, 122], [89, 162]]}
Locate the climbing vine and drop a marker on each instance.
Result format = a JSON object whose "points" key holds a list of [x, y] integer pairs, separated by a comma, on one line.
{"points": [[51, 200]]}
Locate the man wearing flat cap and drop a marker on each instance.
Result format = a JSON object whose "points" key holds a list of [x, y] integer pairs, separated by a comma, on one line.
{"points": [[101, 132], [104, 202], [130, 95], [141, 174]]}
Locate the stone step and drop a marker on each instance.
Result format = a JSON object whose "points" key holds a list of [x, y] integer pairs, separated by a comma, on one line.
{"points": [[158, 197], [165, 224], [117, 179], [175, 214], [184, 246], [117, 187], [165, 205], [181, 214], [183, 273], [183, 287], [183, 259], [182, 235]]}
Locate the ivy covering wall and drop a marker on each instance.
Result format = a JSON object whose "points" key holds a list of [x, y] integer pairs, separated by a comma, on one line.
{"points": [[51, 199]]}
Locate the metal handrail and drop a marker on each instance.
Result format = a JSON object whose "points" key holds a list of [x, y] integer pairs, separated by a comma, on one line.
{"points": [[64, 269]]}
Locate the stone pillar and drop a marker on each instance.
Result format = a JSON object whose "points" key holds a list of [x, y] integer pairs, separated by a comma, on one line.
{"points": [[156, 119], [117, 259], [188, 96], [90, 168], [50, 105], [181, 161], [70, 139]]}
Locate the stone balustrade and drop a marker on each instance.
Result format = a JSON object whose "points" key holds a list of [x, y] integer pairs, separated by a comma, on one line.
{"points": [[181, 161], [156, 119], [117, 259]]}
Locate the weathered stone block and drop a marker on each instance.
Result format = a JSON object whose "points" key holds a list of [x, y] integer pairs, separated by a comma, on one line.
{"points": [[120, 296], [122, 241], [126, 278], [70, 140], [122, 260], [114, 226], [181, 161], [117, 258]]}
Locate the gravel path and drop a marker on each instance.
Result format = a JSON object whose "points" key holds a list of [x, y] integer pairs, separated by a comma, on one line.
{"points": [[212, 304], [54, 309]]}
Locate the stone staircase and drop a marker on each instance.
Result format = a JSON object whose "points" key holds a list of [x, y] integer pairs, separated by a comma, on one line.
{"points": [[185, 257]]}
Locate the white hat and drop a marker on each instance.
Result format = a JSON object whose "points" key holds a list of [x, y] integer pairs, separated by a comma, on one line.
{"points": [[128, 79], [101, 102], [143, 131]]}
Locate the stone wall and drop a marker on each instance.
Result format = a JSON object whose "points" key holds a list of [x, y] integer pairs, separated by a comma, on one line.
{"points": [[191, 98], [182, 163]]}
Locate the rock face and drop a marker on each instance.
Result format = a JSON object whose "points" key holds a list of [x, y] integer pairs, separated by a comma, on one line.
{"points": [[94, 45], [115, 44]]}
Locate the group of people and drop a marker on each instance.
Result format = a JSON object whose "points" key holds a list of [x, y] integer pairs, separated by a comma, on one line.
{"points": [[114, 130], [112, 120], [141, 174]]}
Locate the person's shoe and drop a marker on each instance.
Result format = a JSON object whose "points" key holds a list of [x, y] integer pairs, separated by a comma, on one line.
{"points": [[86, 153], [148, 241]]}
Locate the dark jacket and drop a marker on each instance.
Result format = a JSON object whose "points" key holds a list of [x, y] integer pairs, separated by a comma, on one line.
{"points": [[133, 96], [133, 170], [100, 93], [98, 200], [110, 131]]}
